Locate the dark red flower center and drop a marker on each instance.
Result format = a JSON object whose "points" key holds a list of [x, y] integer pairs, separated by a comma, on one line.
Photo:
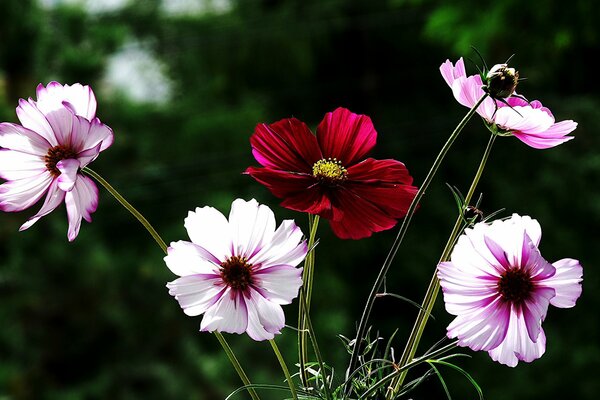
{"points": [[56, 154], [237, 273], [329, 171], [515, 285]]}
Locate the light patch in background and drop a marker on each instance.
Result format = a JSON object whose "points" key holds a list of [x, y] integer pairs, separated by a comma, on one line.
{"points": [[195, 7], [135, 73], [92, 6]]}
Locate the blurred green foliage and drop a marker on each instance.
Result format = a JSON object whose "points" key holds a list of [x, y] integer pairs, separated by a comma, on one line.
{"points": [[92, 319]]}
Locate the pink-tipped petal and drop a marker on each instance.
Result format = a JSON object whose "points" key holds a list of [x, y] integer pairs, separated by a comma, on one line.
{"points": [[281, 283], [15, 137], [195, 293], [517, 346], [452, 72], [15, 165], [23, 193], [81, 202], [229, 314], [32, 118], [185, 258], [68, 174], [285, 248], [54, 197], [78, 98], [566, 282]]}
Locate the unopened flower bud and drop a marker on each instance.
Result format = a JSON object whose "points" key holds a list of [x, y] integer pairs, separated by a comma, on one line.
{"points": [[501, 81]]}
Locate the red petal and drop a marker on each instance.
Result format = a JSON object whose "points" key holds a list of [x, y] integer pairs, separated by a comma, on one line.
{"points": [[372, 171], [346, 136], [301, 192], [286, 145]]}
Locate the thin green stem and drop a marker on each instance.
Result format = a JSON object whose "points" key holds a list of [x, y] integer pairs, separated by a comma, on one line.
{"points": [[284, 368], [313, 339], [362, 326], [161, 243], [128, 206], [304, 308], [434, 285]]}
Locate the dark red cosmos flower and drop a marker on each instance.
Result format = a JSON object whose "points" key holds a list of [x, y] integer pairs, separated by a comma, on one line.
{"points": [[327, 174]]}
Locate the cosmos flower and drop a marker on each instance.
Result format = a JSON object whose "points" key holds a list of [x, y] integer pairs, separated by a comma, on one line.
{"points": [[328, 174], [530, 122], [499, 287], [239, 272], [59, 134]]}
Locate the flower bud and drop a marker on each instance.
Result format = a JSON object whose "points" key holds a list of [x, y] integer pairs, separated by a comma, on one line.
{"points": [[501, 81]]}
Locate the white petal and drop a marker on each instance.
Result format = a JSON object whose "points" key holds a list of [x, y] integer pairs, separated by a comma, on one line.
{"points": [[281, 283], [195, 293], [15, 165], [209, 229], [68, 174], [33, 119], [270, 314], [23, 193], [255, 329], [284, 248], [80, 98], [252, 226], [81, 202], [228, 314], [61, 121], [566, 282], [185, 258], [15, 137], [54, 197]]}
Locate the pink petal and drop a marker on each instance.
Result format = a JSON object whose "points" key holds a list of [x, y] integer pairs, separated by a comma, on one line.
{"points": [[451, 72], [270, 314], [566, 282], [195, 293], [23, 193], [54, 197], [185, 258], [18, 138], [228, 314], [68, 175], [15, 165], [256, 330], [96, 134], [81, 202], [535, 309], [87, 156], [33, 119], [61, 121], [346, 136]]}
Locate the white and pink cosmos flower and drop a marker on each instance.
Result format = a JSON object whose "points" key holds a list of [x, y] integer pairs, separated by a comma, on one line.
{"points": [[499, 287], [59, 134], [530, 122], [237, 272]]}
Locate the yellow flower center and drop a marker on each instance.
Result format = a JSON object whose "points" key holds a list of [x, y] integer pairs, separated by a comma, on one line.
{"points": [[329, 170]]}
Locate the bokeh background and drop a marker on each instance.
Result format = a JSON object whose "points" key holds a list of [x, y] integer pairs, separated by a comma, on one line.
{"points": [[183, 83]]}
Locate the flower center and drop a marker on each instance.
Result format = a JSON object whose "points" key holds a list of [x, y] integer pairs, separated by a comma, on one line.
{"points": [[329, 171], [56, 154], [237, 273], [515, 285]]}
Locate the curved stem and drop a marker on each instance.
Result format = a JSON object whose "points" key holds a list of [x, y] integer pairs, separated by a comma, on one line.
{"points": [[304, 308], [434, 285], [284, 368], [163, 246], [403, 228]]}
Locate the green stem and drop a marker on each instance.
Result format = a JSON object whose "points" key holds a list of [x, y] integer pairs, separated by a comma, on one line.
{"points": [[284, 368], [234, 361], [362, 326], [434, 285], [304, 308]]}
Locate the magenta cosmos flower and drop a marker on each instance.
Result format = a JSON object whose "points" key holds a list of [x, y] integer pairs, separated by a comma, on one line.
{"points": [[59, 134], [328, 174], [499, 287], [531, 123], [239, 272]]}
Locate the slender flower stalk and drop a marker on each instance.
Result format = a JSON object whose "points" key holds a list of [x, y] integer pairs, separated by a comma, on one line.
{"points": [[400, 236], [161, 243], [434, 285], [304, 308], [284, 368]]}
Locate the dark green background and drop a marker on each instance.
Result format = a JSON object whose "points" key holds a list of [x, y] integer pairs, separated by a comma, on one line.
{"points": [[92, 319]]}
